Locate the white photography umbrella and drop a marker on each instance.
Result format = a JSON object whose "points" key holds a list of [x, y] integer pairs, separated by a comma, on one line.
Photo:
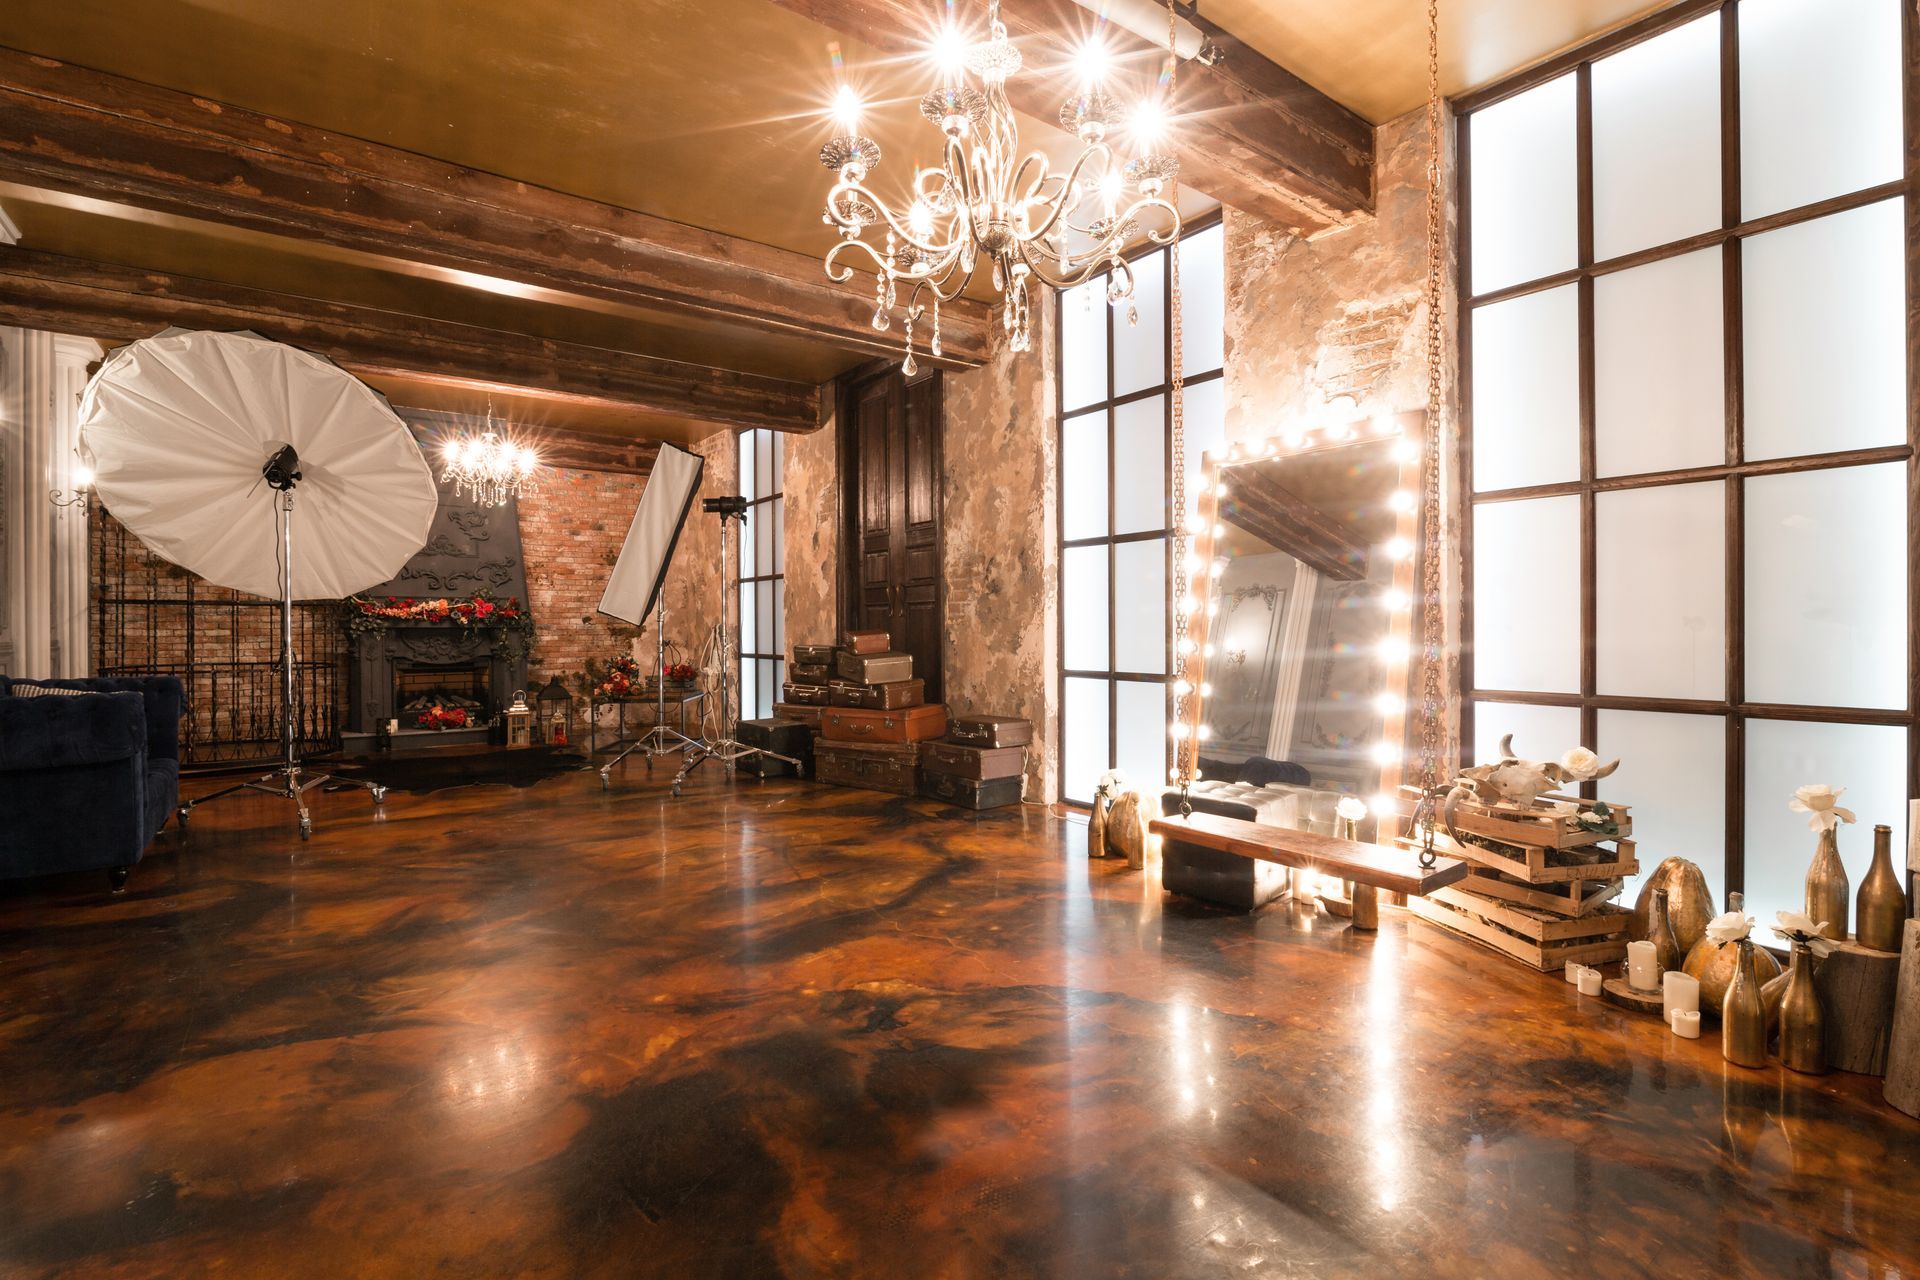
{"points": [[199, 443]]}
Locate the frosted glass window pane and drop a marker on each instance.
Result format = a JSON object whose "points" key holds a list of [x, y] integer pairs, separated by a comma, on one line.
{"points": [[744, 547], [749, 685], [763, 631], [746, 464], [1083, 607], [1659, 358], [779, 562], [1870, 761], [1827, 587], [763, 475], [747, 618], [760, 527], [1523, 187], [1083, 344], [1526, 390], [1083, 749], [1203, 284], [1526, 595], [1820, 110], [1206, 429], [1139, 465], [1140, 606], [1539, 733], [1140, 350], [778, 483], [1660, 582], [1826, 356], [1656, 140], [1083, 500], [1141, 751], [1673, 771]]}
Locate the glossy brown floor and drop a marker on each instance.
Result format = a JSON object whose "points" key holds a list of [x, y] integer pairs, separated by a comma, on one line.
{"points": [[775, 1029]]}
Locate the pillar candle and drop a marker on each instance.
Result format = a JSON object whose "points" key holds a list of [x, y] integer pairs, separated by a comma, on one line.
{"points": [[1589, 982], [1679, 993], [1643, 966], [1573, 973], [1686, 1023]]}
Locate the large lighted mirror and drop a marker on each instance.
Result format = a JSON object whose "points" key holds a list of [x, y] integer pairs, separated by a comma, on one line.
{"points": [[1307, 549]]}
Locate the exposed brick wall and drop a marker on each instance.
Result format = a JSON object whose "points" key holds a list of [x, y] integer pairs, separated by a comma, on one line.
{"points": [[571, 528]]}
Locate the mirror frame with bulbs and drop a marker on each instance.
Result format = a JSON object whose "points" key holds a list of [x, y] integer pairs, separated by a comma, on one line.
{"points": [[1395, 650]]}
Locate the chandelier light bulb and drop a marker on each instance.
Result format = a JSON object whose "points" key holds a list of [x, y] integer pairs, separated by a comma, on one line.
{"points": [[1092, 62], [83, 477], [847, 108], [949, 50]]}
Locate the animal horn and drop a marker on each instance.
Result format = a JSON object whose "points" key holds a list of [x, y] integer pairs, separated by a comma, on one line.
{"points": [[1608, 770], [1506, 748]]}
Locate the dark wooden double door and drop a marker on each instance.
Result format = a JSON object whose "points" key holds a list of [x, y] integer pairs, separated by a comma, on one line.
{"points": [[891, 468]]}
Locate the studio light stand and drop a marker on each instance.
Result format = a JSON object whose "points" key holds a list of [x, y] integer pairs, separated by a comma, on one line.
{"points": [[289, 781], [659, 740], [727, 748]]}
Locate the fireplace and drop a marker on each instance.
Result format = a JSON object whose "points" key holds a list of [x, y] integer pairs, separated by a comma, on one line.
{"points": [[417, 688]]}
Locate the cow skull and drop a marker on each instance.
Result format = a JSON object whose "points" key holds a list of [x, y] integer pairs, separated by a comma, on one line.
{"points": [[1511, 780]]}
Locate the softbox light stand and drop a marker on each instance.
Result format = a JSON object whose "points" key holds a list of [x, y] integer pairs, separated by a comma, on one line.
{"points": [[289, 781], [727, 748], [660, 740]]}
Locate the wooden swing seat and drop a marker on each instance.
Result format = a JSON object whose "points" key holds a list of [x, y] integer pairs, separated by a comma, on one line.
{"points": [[1396, 870]]}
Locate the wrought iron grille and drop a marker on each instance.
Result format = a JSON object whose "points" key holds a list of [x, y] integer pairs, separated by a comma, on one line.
{"points": [[154, 618]]}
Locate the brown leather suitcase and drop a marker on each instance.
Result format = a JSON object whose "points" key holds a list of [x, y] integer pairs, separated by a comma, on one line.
{"points": [[809, 695], [809, 716], [818, 654], [877, 766], [877, 697], [873, 668], [908, 724], [868, 642], [990, 731], [809, 672], [977, 764], [970, 793]]}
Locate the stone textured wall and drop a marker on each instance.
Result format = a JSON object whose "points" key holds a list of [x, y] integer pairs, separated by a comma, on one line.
{"points": [[812, 488], [571, 527], [692, 590], [1000, 498]]}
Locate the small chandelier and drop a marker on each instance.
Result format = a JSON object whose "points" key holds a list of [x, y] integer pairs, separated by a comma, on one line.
{"points": [[987, 203], [488, 467]]}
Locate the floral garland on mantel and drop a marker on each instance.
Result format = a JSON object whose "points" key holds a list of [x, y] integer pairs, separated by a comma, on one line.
{"points": [[505, 623]]}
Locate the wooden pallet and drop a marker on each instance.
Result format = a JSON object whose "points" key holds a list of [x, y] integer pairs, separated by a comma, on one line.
{"points": [[1546, 956], [1540, 826], [1538, 865], [1572, 898], [1538, 926]]}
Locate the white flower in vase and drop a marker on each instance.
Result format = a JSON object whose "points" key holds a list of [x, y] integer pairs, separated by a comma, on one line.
{"points": [[1730, 926], [1798, 927], [1822, 800], [1352, 808]]}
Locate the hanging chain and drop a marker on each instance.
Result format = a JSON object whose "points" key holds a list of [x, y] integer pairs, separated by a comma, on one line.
{"points": [[1186, 744], [1433, 619]]}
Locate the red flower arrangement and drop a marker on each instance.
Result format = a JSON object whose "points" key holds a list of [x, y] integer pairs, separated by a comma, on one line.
{"points": [[443, 718], [681, 671], [507, 621], [623, 678]]}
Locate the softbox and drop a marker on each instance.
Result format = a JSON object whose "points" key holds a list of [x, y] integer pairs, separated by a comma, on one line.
{"points": [[671, 488]]}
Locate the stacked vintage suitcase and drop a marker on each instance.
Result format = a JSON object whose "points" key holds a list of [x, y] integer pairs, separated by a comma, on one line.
{"points": [[980, 764], [873, 713]]}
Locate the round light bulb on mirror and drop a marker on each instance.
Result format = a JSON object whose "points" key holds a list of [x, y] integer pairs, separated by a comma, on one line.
{"points": [[1382, 804], [1406, 451], [1206, 651], [1179, 731], [1396, 601], [1204, 732], [1383, 425], [1398, 548], [1206, 690], [1182, 686], [1401, 501], [1385, 753], [1390, 704], [1393, 649]]}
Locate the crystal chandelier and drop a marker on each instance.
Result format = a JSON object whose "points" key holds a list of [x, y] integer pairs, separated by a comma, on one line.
{"points": [[488, 467], [988, 203]]}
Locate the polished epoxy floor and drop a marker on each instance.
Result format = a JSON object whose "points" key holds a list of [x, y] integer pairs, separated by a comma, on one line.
{"points": [[782, 1030]]}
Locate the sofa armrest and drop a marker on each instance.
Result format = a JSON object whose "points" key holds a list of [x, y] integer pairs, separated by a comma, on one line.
{"points": [[165, 701], [54, 732]]}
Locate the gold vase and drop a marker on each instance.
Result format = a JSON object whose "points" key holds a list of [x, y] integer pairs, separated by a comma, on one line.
{"points": [[1666, 948], [1743, 1018], [1689, 903], [1712, 964], [1803, 1033], [1882, 904], [1366, 907], [1097, 825], [1827, 886]]}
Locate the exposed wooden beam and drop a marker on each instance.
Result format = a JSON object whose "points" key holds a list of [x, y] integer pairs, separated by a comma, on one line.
{"points": [[1286, 522], [559, 447], [83, 131], [66, 295], [1251, 134]]}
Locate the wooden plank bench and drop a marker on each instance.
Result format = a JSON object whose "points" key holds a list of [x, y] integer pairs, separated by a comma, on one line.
{"points": [[1212, 857]]}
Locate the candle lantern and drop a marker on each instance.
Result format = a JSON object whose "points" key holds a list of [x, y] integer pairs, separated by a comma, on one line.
{"points": [[555, 714], [519, 718]]}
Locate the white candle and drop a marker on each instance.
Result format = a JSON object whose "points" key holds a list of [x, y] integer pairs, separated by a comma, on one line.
{"points": [[1574, 971], [1679, 993], [1589, 982], [1686, 1023], [1643, 966]]}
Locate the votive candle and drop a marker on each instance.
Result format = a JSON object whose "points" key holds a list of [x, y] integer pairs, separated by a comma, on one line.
{"points": [[1686, 1023], [1589, 982], [1679, 993], [1573, 973], [1643, 966]]}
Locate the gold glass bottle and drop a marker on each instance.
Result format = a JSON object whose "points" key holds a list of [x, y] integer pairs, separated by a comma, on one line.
{"points": [[1097, 825], [1713, 963], [1803, 1036], [1882, 904], [1743, 1018], [1827, 896], [1666, 947]]}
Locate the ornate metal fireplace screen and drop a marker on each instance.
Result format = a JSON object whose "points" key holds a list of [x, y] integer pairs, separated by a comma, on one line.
{"points": [[154, 618]]}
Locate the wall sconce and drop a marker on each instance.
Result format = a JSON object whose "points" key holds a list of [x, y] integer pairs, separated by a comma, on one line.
{"points": [[82, 496]]}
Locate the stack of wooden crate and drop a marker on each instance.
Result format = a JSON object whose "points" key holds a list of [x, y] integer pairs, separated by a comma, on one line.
{"points": [[1541, 890]]}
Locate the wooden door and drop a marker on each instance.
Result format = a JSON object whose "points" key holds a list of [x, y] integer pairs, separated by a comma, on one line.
{"points": [[891, 571]]}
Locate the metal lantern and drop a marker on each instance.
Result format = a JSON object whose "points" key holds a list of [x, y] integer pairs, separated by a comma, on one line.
{"points": [[519, 718], [555, 714]]}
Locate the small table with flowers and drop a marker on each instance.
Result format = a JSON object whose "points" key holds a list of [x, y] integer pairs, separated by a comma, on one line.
{"points": [[684, 697]]}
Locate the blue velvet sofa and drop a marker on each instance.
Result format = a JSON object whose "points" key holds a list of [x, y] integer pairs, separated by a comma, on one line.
{"points": [[86, 782]]}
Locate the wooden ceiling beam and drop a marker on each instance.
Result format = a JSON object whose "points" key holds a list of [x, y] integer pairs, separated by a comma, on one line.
{"points": [[90, 133], [67, 295], [1284, 521], [1248, 132]]}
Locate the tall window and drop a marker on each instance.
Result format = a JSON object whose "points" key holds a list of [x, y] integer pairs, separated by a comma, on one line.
{"points": [[1690, 438], [1115, 430], [762, 582]]}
